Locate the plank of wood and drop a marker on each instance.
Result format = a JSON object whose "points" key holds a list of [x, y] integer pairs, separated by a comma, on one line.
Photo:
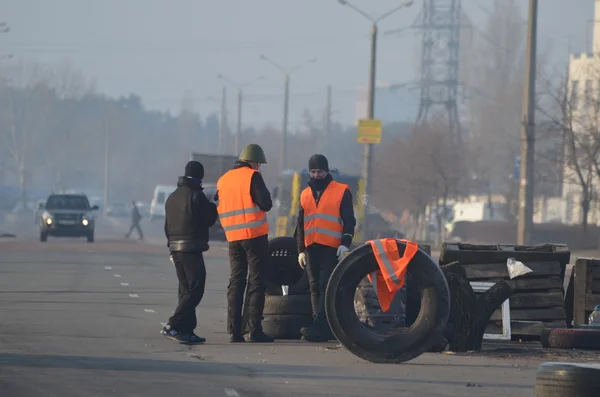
{"points": [[550, 314], [579, 291], [499, 270], [591, 301], [536, 300], [536, 284], [596, 286], [472, 254], [525, 327]]}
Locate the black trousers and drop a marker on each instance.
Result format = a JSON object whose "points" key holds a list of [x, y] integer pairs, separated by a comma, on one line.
{"points": [[321, 262], [191, 273], [249, 259], [135, 225]]}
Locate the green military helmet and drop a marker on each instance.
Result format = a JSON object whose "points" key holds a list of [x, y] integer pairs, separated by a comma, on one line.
{"points": [[253, 152]]}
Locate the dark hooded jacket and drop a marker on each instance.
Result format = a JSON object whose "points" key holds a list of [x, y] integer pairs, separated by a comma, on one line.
{"points": [[188, 216]]}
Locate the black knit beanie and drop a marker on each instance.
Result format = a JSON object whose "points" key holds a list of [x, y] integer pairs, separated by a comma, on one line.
{"points": [[194, 169], [318, 162]]}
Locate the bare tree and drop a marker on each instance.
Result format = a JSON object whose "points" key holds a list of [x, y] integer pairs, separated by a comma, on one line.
{"points": [[562, 109], [25, 109], [494, 97]]}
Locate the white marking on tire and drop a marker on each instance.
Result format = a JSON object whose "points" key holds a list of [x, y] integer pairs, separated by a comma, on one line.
{"points": [[231, 393], [134, 296], [149, 310], [107, 268], [117, 275], [125, 284]]}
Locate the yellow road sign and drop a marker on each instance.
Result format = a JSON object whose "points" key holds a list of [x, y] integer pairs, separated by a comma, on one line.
{"points": [[369, 131]]}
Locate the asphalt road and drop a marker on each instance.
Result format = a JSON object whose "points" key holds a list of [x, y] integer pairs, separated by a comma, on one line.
{"points": [[79, 319]]}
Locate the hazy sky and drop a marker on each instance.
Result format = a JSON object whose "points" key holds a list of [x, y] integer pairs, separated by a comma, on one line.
{"points": [[161, 49]]}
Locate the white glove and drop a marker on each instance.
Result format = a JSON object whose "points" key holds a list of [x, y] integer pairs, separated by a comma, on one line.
{"points": [[171, 259], [302, 260], [341, 251]]}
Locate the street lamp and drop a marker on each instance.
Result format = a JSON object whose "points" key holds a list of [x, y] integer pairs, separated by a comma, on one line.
{"points": [[238, 131], [286, 101], [367, 156]]}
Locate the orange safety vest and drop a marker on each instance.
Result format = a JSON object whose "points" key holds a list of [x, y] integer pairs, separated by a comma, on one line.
{"points": [[240, 217], [392, 268], [323, 223]]}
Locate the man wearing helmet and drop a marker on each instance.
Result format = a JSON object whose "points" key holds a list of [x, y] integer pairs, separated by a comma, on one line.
{"points": [[244, 201]]}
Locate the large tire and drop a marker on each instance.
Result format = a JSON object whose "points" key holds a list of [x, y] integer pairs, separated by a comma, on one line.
{"points": [[285, 326], [285, 269], [568, 380], [573, 338], [288, 305], [404, 344]]}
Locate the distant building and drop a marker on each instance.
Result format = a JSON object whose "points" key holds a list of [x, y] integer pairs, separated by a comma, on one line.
{"points": [[394, 103], [584, 83]]}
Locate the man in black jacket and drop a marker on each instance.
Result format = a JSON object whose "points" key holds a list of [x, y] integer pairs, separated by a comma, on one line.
{"points": [[319, 248], [188, 216]]}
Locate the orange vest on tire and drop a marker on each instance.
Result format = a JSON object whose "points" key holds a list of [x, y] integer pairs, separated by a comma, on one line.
{"points": [[323, 223], [239, 215]]}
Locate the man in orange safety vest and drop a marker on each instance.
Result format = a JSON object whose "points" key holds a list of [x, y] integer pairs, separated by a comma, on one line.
{"points": [[324, 234], [243, 204]]}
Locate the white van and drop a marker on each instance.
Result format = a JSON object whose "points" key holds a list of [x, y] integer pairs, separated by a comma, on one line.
{"points": [[157, 206]]}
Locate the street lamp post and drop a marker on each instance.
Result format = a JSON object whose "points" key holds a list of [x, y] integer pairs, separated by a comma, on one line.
{"points": [[368, 150], [238, 130], [286, 101]]}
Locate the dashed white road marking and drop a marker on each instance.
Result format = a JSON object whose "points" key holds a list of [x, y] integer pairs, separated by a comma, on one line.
{"points": [[134, 296], [117, 275], [125, 284], [231, 393], [107, 267], [149, 310]]}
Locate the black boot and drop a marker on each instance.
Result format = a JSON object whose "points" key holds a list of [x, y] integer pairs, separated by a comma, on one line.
{"points": [[236, 338], [259, 336], [317, 332]]}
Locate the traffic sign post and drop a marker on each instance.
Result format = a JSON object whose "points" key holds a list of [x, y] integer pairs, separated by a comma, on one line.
{"points": [[369, 131]]}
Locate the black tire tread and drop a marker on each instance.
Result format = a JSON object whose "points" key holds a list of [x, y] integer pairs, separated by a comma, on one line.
{"points": [[285, 326], [288, 305], [424, 334], [573, 338], [567, 380]]}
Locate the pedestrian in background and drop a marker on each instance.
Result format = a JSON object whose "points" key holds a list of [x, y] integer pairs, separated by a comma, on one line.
{"points": [[188, 216], [136, 217]]}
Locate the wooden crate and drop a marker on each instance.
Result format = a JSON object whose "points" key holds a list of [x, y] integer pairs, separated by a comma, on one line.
{"points": [[586, 289], [538, 300]]}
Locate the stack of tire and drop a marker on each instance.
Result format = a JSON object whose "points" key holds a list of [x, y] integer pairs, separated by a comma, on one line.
{"points": [[285, 314]]}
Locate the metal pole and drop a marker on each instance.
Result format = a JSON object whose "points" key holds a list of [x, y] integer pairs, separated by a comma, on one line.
{"points": [[286, 103], [368, 153], [328, 120], [106, 164], [526, 186], [222, 130], [238, 130]]}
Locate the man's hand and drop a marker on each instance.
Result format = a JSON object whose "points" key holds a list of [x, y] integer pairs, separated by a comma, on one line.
{"points": [[171, 259], [342, 251], [302, 260]]}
